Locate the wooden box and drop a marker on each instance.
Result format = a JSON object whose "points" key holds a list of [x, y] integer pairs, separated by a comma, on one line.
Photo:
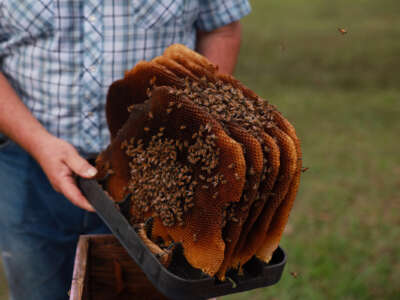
{"points": [[103, 270]]}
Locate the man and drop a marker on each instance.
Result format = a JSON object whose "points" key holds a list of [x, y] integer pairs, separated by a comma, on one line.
{"points": [[57, 59]]}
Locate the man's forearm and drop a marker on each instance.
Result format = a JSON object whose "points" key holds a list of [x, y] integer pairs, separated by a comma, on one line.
{"points": [[17, 122], [221, 46]]}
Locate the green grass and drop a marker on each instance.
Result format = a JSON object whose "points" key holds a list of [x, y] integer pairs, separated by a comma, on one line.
{"points": [[343, 234], [3, 286], [342, 93]]}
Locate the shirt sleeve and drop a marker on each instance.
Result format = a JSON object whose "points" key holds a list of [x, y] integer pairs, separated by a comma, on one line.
{"points": [[217, 13], [4, 37], [3, 40]]}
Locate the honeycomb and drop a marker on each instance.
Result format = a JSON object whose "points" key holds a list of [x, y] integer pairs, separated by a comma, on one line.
{"points": [[212, 165]]}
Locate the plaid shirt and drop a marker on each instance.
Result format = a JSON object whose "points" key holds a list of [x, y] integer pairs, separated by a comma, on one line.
{"points": [[61, 55]]}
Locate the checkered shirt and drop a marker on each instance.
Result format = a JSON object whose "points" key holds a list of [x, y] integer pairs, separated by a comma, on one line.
{"points": [[62, 55]]}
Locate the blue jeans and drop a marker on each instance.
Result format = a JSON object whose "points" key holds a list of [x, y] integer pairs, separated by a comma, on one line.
{"points": [[39, 229]]}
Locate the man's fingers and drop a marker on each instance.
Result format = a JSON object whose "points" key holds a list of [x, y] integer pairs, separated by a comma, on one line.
{"points": [[60, 161], [71, 191], [79, 165]]}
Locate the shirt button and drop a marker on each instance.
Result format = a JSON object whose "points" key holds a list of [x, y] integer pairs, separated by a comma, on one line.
{"points": [[92, 18], [92, 68]]}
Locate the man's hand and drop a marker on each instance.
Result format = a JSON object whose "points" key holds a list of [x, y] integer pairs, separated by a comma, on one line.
{"points": [[61, 162]]}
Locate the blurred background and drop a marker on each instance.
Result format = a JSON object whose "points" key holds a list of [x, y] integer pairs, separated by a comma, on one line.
{"points": [[341, 90], [342, 93]]}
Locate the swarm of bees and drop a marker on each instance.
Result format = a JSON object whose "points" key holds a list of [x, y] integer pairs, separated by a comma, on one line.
{"points": [[212, 165]]}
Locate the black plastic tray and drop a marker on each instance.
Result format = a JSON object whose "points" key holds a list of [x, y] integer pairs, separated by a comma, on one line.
{"points": [[256, 273]]}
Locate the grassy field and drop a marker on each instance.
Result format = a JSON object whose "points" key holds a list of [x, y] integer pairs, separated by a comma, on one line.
{"points": [[3, 285], [342, 93]]}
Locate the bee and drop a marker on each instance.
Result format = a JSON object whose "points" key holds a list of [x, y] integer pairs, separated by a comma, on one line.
{"points": [[153, 80], [294, 274], [130, 107], [148, 92], [251, 171], [342, 30], [124, 144], [244, 208]]}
